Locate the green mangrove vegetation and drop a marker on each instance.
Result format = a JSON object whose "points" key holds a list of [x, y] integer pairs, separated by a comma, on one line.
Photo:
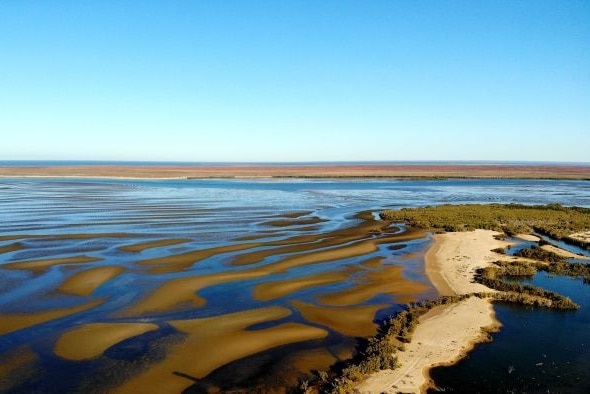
{"points": [[553, 220], [538, 253]]}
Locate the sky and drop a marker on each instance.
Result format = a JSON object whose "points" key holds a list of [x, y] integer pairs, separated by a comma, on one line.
{"points": [[276, 81]]}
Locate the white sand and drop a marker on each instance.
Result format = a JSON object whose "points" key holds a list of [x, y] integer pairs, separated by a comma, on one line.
{"points": [[447, 332], [528, 237]]}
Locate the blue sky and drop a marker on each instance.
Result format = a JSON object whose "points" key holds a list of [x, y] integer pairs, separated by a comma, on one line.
{"points": [[295, 80]]}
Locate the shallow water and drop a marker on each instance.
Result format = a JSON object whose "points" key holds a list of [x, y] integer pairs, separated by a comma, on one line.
{"points": [[214, 245]]}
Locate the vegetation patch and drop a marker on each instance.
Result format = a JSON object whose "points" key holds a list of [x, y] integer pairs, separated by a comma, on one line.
{"points": [[553, 220], [538, 253]]}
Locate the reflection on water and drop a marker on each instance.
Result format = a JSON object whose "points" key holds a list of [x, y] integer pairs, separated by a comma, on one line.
{"points": [[178, 284]]}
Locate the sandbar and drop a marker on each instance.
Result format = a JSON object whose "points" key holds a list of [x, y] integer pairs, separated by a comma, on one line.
{"points": [[444, 334], [215, 341], [140, 247], [354, 321], [14, 322], [42, 264], [279, 288], [85, 282], [447, 332], [388, 280], [564, 253], [91, 340], [11, 247]]}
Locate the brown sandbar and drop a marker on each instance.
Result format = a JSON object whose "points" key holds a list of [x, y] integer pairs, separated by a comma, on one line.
{"points": [[140, 247], [85, 282], [215, 341], [13, 247], [14, 322], [352, 321], [42, 264], [91, 340], [388, 280]]}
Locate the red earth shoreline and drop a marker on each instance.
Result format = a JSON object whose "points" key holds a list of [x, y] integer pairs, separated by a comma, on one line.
{"points": [[295, 170]]}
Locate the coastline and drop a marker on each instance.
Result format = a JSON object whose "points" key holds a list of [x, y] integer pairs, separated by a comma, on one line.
{"points": [[447, 332], [320, 171]]}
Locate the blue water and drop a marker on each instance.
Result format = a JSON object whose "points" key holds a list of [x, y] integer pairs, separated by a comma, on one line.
{"points": [[212, 213], [536, 351]]}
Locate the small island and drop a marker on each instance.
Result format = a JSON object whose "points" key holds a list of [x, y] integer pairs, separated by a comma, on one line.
{"points": [[467, 264]]}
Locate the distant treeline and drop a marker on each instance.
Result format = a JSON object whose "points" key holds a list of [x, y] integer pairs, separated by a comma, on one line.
{"points": [[553, 220]]}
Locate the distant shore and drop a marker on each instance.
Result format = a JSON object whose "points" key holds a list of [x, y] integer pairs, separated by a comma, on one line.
{"points": [[240, 171]]}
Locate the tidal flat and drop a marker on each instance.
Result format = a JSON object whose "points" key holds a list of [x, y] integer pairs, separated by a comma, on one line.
{"points": [[205, 285]]}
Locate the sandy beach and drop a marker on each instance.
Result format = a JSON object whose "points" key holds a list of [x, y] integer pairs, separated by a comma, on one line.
{"points": [[446, 333]]}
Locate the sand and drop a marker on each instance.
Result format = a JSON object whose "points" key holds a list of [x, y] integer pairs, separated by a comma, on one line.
{"points": [[42, 264], [91, 340], [181, 293], [280, 288], [447, 332], [213, 342], [584, 236], [85, 282], [388, 280], [528, 237], [140, 247], [14, 322], [453, 259], [354, 321], [563, 252], [11, 247]]}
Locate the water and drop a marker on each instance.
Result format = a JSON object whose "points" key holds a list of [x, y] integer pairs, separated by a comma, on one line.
{"points": [[66, 218], [536, 351]]}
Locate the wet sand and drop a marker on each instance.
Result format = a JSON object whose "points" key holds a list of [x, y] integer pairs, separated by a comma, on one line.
{"points": [[85, 282], [42, 264], [216, 341], [16, 366], [140, 247], [91, 340], [276, 289], [446, 333], [388, 280], [181, 292], [14, 322], [13, 247], [351, 321]]}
